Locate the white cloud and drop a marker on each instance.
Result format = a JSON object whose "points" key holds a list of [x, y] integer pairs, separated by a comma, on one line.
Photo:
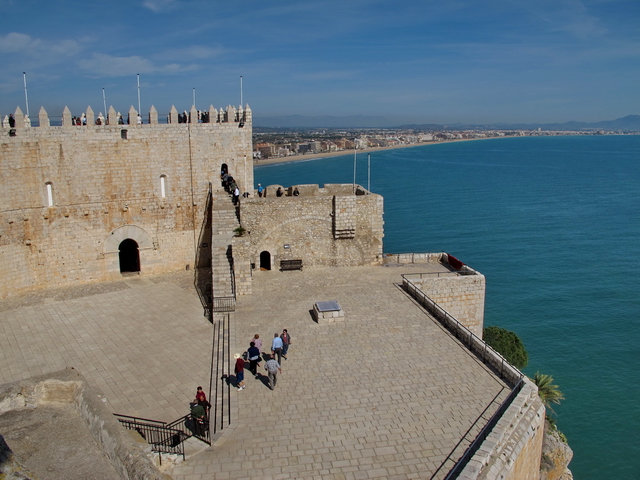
{"points": [[158, 6], [107, 65], [194, 52], [23, 44]]}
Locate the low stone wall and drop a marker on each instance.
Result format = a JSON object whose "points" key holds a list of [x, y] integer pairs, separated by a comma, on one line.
{"points": [[513, 449], [69, 387], [460, 293]]}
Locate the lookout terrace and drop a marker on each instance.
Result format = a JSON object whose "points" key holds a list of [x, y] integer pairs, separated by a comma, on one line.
{"points": [[127, 257]]}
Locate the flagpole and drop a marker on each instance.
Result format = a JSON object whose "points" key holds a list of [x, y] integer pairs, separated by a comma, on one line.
{"points": [[138, 93], [194, 96], [104, 101], [369, 173], [241, 90], [354, 169], [26, 97]]}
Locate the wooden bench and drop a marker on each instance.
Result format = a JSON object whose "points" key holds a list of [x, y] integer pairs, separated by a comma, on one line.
{"points": [[290, 265]]}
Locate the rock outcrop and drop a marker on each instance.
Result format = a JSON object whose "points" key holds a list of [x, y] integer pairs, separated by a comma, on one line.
{"points": [[10, 467], [556, 456]]}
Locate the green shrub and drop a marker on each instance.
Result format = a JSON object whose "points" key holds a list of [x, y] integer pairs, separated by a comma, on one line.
{"points": [[507, 344]]}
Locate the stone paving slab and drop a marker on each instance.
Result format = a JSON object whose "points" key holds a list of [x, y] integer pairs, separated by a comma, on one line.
{"points": [[384, 393], [145, 346]]}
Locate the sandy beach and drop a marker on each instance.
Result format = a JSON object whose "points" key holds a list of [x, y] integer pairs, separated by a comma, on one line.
{"points": [[312, 156]]}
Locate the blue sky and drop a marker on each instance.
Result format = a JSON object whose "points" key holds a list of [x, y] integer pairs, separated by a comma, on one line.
{"points": [[419, 61]]}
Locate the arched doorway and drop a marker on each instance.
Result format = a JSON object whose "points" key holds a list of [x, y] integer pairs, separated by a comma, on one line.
{"points": [[129, 256], [265, 260]]}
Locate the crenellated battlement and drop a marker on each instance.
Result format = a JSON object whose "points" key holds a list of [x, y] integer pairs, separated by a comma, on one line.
{"points": [[241, 116]]}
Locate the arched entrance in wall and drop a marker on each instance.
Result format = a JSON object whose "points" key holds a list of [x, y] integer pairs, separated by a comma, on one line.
{"points": [[129, 256], [265, 260]]}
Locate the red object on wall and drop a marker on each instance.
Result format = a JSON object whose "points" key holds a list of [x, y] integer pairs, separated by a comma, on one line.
{"points": [[454, 262]]}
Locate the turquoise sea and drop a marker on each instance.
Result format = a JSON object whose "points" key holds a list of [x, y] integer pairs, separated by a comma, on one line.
{"points": [[554, 225]]}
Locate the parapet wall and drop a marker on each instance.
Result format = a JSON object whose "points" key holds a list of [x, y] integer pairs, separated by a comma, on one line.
{"points": [[67, 192], [462, 296], [460, 292], [513, 449]]}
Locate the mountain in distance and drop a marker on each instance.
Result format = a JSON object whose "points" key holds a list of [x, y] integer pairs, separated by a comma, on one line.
{"points": [[628, 123]]}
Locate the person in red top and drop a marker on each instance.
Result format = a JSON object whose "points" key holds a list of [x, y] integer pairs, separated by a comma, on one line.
{"points": [[201, 398], [239, 370]]}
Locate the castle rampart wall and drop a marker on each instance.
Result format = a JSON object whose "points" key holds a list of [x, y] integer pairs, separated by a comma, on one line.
{"points": [[98, 179]]}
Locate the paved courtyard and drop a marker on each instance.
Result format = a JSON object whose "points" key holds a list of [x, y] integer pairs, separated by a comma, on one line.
{"points": [[385, 393]]}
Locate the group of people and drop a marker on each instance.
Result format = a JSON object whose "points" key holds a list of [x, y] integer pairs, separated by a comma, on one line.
{"points": [[280, 192], [279, 348], [230, 186], [203, 117], [200, 411]]}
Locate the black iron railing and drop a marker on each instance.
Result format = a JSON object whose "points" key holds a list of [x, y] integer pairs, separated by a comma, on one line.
{"points": [[159, 435], [194, 427], [484, 433], [223, 304]]}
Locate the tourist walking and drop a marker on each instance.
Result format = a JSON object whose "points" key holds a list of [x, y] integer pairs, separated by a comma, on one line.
{"points": [[258, 341], [286, 341], [272, 367], [253, 354], [260, 190], [276, 347], [236, 195], [239, 371]]}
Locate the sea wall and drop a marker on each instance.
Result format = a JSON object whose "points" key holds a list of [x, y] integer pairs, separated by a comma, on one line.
{"points": [[70, 194]]}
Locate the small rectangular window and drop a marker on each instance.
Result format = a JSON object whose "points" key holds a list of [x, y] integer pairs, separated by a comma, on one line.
{"points": [[50, 194], [162, 186]]}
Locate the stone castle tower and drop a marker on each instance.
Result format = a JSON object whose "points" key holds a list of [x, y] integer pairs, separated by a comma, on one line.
{"points": [[86, 202]]}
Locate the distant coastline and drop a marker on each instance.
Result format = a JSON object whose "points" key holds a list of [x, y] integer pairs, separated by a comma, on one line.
{"points": [[313, 156]]}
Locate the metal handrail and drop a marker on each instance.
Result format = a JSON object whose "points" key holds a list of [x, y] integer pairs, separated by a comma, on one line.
{"points": [[193, 427], [475, 344], [484, 433], [157, 434], [223, 304], [482, 351]]}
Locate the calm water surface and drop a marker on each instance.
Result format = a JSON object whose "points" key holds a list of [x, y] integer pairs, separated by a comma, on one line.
{"points": [[554, 224]]}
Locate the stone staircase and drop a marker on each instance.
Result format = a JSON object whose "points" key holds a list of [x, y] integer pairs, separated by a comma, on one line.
{"points": [[224, 221]]}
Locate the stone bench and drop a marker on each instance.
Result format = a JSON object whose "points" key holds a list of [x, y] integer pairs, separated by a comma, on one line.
{"points": [[290, 265]]}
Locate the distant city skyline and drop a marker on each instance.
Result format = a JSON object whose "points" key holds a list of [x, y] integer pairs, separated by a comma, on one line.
{"points": [[503, 61]]}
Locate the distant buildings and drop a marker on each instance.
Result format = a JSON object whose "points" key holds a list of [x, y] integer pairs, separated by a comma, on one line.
{"points": [[287, 143]]}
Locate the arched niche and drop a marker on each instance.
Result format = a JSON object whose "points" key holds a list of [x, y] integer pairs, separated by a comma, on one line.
{"points": [[133, 232]]}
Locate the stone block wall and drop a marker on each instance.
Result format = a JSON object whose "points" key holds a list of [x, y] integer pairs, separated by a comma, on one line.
{"points": [[462, 296], [512, 451], [105, 185], [302, 227]]}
